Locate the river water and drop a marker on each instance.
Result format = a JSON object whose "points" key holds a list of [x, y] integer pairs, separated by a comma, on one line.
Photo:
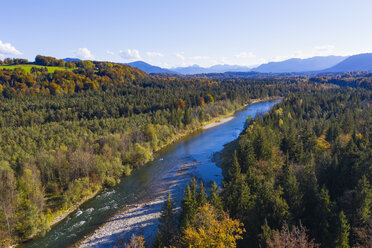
{"points": [[151, 179]]}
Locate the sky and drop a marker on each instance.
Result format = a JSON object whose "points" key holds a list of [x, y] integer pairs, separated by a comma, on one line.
{"points": [[171, 33]]}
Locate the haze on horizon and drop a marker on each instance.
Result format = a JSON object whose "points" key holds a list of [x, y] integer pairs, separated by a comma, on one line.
{"points": [[173, 33]]}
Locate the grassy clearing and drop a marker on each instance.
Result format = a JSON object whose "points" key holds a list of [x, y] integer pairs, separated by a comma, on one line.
{"points": [[27, 68]]}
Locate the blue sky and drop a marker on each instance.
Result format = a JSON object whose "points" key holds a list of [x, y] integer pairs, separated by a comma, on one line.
{"points": [[179, 33]]}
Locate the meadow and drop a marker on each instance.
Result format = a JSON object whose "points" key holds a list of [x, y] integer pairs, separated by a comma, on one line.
{"points": [[27, 67]]}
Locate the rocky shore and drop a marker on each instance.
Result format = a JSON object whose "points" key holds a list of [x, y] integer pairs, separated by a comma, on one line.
{"points": [[139, 219]]}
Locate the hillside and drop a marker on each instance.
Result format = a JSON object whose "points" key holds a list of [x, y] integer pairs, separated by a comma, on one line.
{"points": [[149, 68], [359, 62], [300, 65]]}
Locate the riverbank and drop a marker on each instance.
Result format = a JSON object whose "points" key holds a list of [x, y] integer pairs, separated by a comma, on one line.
{"points": [[73, 209], [142, 218], [217, 123], [60, 215], [139, 219], [194, 128]]}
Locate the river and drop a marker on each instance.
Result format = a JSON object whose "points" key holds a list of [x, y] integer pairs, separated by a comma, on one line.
{"points": [[149, 181]]}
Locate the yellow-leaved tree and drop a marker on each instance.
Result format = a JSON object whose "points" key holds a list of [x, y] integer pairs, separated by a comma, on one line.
{"points": [[212, 228]]}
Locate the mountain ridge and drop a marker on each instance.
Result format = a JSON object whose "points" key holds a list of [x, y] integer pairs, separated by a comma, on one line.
{"points": [[316, 63], [358, 62]]}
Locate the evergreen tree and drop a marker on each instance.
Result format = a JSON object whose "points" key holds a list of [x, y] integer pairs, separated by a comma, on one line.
{"points": [[193, 189], [214, 197], [167, 225], [362, 202], [265, 235], [342, 239], [324, 221], [234, 171], [291, 192], [202, 197], [232, 186], [246, 155], [188, 209], [187, 117]]}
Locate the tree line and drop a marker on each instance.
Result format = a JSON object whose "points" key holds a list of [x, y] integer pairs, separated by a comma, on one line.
{"points": [[304, 169], [67, 134]]}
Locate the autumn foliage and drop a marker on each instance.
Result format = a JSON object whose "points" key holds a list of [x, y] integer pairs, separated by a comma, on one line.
{"points": [[212, 229]]}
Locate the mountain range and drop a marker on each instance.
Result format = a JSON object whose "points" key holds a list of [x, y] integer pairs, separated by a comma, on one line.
{"points": [[195, 69], [300, 65], [318, 64], [150, 68], [359, 62]]}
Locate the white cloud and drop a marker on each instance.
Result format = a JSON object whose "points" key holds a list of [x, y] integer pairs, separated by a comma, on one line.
{"points": [[154, 54], [110, 52], [245, 55], [180, 56], [8, 49], [130, 54], [83, 53]]}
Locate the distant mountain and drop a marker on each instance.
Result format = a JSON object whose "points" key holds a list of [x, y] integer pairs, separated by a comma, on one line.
{"points": [[195, 69], [300, 65], [359, 62], [149, 68], [71, 59]]}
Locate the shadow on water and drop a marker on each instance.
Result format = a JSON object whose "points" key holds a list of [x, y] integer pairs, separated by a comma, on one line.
{"points": [[151, 179]]}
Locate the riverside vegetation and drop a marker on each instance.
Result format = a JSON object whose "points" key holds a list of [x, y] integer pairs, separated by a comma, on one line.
{"points": [[299, 176], [65, 134]]}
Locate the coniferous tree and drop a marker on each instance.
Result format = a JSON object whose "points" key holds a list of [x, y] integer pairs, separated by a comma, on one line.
{"points": [[362, 202], [188, 208], [201, 197], [342, 239], [167, 227], [291, 191], [214, 197]]}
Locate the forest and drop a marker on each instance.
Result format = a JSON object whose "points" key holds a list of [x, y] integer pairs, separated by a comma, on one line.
{"points": [[65, 135], [298, 176], [302, 173]]}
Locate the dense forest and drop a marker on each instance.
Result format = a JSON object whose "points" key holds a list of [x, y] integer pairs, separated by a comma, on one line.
{"points": [[65, 135], [298, 176], [302, 173], [359, 79]]}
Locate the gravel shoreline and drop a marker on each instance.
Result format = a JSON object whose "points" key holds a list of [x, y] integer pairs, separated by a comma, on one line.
{"points": [[220, 122], [139, 219]]}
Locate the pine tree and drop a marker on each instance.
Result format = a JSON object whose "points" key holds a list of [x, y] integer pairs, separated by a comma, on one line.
{"points": [[187, 117], [247, 156], [265, 235], [202, 197], [167, 225], [291, 192], [231, 192], [362, 202], [234, 170], [188, 208], [324, 219], [214, 198], [193, 188], [342, 240]]}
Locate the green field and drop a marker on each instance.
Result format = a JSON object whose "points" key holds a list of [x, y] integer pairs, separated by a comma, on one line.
{"points": [[27, 68]]}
